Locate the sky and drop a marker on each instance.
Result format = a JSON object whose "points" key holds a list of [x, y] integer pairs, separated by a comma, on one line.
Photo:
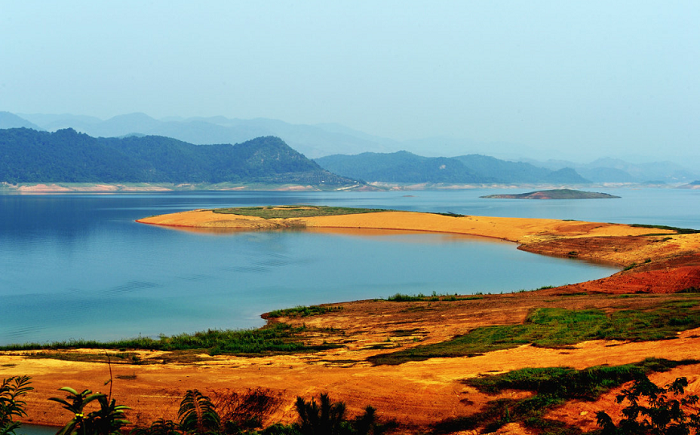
{"points": [[598, 77]]}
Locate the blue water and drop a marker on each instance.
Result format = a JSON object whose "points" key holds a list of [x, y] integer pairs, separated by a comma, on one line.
{"points": [[79, 267]]}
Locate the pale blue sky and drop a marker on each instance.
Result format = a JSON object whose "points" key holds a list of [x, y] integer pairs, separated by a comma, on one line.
{"points": [[588, 76]]}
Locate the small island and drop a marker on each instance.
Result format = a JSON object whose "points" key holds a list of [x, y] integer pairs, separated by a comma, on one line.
{"points": [[554, 194]]}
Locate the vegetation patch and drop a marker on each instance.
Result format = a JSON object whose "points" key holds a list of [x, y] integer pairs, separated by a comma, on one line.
{"points": [[666, 227], [561, 328], [449, 214], [302, 311], [294, 211], [551, 386], [420, 297], [278, 338]]}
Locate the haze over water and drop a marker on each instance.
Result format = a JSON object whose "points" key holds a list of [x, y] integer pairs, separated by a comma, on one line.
{"points": [[78, 266]]}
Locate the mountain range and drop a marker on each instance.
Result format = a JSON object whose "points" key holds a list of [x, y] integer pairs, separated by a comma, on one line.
{"points": [[322, 140], [30, 156], [405, 167]]}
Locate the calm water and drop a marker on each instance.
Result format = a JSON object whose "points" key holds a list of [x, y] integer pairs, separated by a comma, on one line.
{"points": [[78, 266]]}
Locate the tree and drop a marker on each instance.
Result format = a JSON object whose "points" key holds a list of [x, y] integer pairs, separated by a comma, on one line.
{"points": [[11, 405], [650, 410]]}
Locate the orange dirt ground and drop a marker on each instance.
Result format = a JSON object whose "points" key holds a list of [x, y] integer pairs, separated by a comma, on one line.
{"points": [[414, 393]]}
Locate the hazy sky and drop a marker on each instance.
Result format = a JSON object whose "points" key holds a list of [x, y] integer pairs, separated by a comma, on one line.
{"points": [[608, 77]]}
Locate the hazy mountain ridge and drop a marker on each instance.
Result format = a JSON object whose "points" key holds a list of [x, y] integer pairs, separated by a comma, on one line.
{"points": [[401, 167], [10, 120], [312, 141], [69, 156], [405, 167], [316, 141], [617, 170]]}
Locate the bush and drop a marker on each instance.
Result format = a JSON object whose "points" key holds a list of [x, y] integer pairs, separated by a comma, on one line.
{"points": [[650, 411]]}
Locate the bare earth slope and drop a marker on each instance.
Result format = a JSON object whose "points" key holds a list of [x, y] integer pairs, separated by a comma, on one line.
{"points": [[421, 392]]}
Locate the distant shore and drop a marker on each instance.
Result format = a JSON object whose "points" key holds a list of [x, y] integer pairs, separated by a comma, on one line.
{"points": [[61, 187], [41, 188]]}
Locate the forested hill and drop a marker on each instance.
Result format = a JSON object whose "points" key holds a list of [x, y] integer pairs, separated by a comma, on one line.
{"points": [[406, 167], [28, 156]]}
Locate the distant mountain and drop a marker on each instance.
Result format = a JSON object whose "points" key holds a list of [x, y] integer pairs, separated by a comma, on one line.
{"points": [[10, 120], [401, 167], [617, 170], [504, 171], [554, 194], [405, 167], [607, 175], [69, 156], [565, 176], [320, 140], [693, 185], [313, 141]]}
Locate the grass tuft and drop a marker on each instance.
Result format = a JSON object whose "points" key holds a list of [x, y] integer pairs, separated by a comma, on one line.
{"points": [[302, 311]]}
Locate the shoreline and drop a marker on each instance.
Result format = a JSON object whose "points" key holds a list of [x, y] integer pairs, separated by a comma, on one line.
{"points": [[542, 236], [155, 187], [416, 393]]}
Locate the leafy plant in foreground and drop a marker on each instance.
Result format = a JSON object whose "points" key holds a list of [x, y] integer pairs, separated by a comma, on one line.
{"points": [[328, 418], [198, 414], [107, 420], [320, 419], [11, 406], [650, 411]]}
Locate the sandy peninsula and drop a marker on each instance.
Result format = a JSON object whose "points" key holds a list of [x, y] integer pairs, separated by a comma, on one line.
{"points": [[658, 262]]}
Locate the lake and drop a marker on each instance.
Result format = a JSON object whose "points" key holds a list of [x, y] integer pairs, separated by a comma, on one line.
{"points": [[77, 266]]}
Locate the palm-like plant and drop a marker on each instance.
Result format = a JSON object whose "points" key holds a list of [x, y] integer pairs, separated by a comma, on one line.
{"points": [[107, 420], [198, 414], [11, 406], [324, 419]]}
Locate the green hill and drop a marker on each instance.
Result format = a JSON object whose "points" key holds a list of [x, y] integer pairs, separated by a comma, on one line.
{"points": [[28, 156], [400, 167], [405, 167]]}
